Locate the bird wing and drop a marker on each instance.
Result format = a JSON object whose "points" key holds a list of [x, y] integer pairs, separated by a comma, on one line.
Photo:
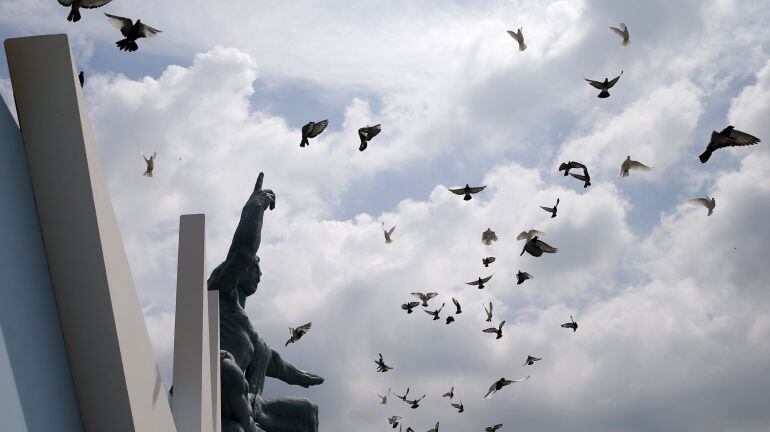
{"points": [[148, 31], [578, 176], [490, 330], [705, 202], [477, 189], [636, 165], [456, 405], [91, 4], [372, 131], [460, 191], [742, 138], [488, 311], [514, 35], [430, 295], [304, 328], [568, 325], [597, 84], [454, 300], [318, 128], [548, 209], [500, 327], [545, 247], [122, 24], [614, 80], [527, 275], [491, 391], [66, 2], [473, 283], [391, 230], [618, 32], [430, 312], [421, 296], [521, 380], [486, 279]]}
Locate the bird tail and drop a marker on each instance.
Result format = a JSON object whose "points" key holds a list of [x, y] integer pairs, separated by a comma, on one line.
{"points": [[147, 173], [626, 42], [705, 156], [127, 45], [604, 94], [74, 15], [304, 142], [362, 147], [467, 197], [388, 241], [711, 210], [522, 46]]}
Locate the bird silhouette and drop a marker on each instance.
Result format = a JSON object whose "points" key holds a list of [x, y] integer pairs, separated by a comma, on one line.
{"points": [[573, 325], [493, 428], [312, 130], [489, 312], [403, 397], [82, 79], [450, 394], [383, 399], [415, 403], [499, 384], [537, 247], [522, 276], [488, 236], [296, 333], [707, 202], [366, 134], [628, 165], [518, 36], [487, 261], [409, 306], [450, 319], [381, 366], [467, 191], [566, 166], [498, 331], [729, 137], [622, 31], [150, 163], [459, 406], [424, 297], [435, 429], [435, 313], [131, 31], [393, 421], [553, 209], [604, 86], [585, 178], [480, 282], [457, 306], [388, 233], [75, 5], [531, 360]]}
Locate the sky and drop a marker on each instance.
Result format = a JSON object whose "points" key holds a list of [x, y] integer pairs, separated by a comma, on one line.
{"points": [[672, 304]]}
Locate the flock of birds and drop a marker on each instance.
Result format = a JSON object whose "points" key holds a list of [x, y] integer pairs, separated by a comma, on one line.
{"points": [[533, 245]]}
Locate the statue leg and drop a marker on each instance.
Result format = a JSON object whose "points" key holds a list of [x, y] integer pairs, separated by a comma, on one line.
{"points": [[287, 415]]}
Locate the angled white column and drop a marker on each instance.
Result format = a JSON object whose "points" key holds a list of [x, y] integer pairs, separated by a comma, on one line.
{"points": [[216, 396], [117, 382], [192, 403]]}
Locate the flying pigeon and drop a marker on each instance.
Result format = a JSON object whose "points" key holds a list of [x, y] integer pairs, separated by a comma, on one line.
{"points": [[381, 366], [296, 333], [366, 134], [409, 306], [424, 297], [493, 428], [573, 325], [604, 86], [388, 233], [489, 312], [481, 281], [570, 165], [522, 276], [435, 312], [622, 32], [518, 36], [729, 137], [488, 236], [82, 78], [403, 398], [435, 429], [459, 406], [450, 319], [707, 202], [150, 164], [536, 247], [383, 399], [487, 261], [312, 130], [585, 178], [457, 306], [450, 394], [74, 15], [415, 403], [467, 191], [499, 384], [132, 31], [552, 210], [629, 165], [527, 235], [531, 360], [393, 421], [498, 331]]}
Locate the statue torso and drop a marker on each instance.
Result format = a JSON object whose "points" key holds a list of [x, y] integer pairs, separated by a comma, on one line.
{"points": [[238, 337]]}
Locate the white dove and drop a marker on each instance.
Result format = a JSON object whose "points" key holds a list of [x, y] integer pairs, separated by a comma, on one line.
{"points": [[622, 32], [707, 202]]}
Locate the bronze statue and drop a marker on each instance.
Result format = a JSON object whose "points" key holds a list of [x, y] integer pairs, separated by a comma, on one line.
{"points": [[246, 359]]}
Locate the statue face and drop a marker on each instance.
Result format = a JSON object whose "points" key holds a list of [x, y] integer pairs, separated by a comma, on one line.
{"points": [[250, 279]]}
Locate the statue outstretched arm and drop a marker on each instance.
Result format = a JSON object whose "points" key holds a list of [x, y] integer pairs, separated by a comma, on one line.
{"points": [[286, 372], [246, 240]]}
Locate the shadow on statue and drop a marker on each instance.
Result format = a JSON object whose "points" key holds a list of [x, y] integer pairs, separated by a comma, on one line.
{"points": [[245, 358]]}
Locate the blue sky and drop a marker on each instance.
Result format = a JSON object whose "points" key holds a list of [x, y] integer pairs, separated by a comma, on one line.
{"points": [[664, 294]]}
